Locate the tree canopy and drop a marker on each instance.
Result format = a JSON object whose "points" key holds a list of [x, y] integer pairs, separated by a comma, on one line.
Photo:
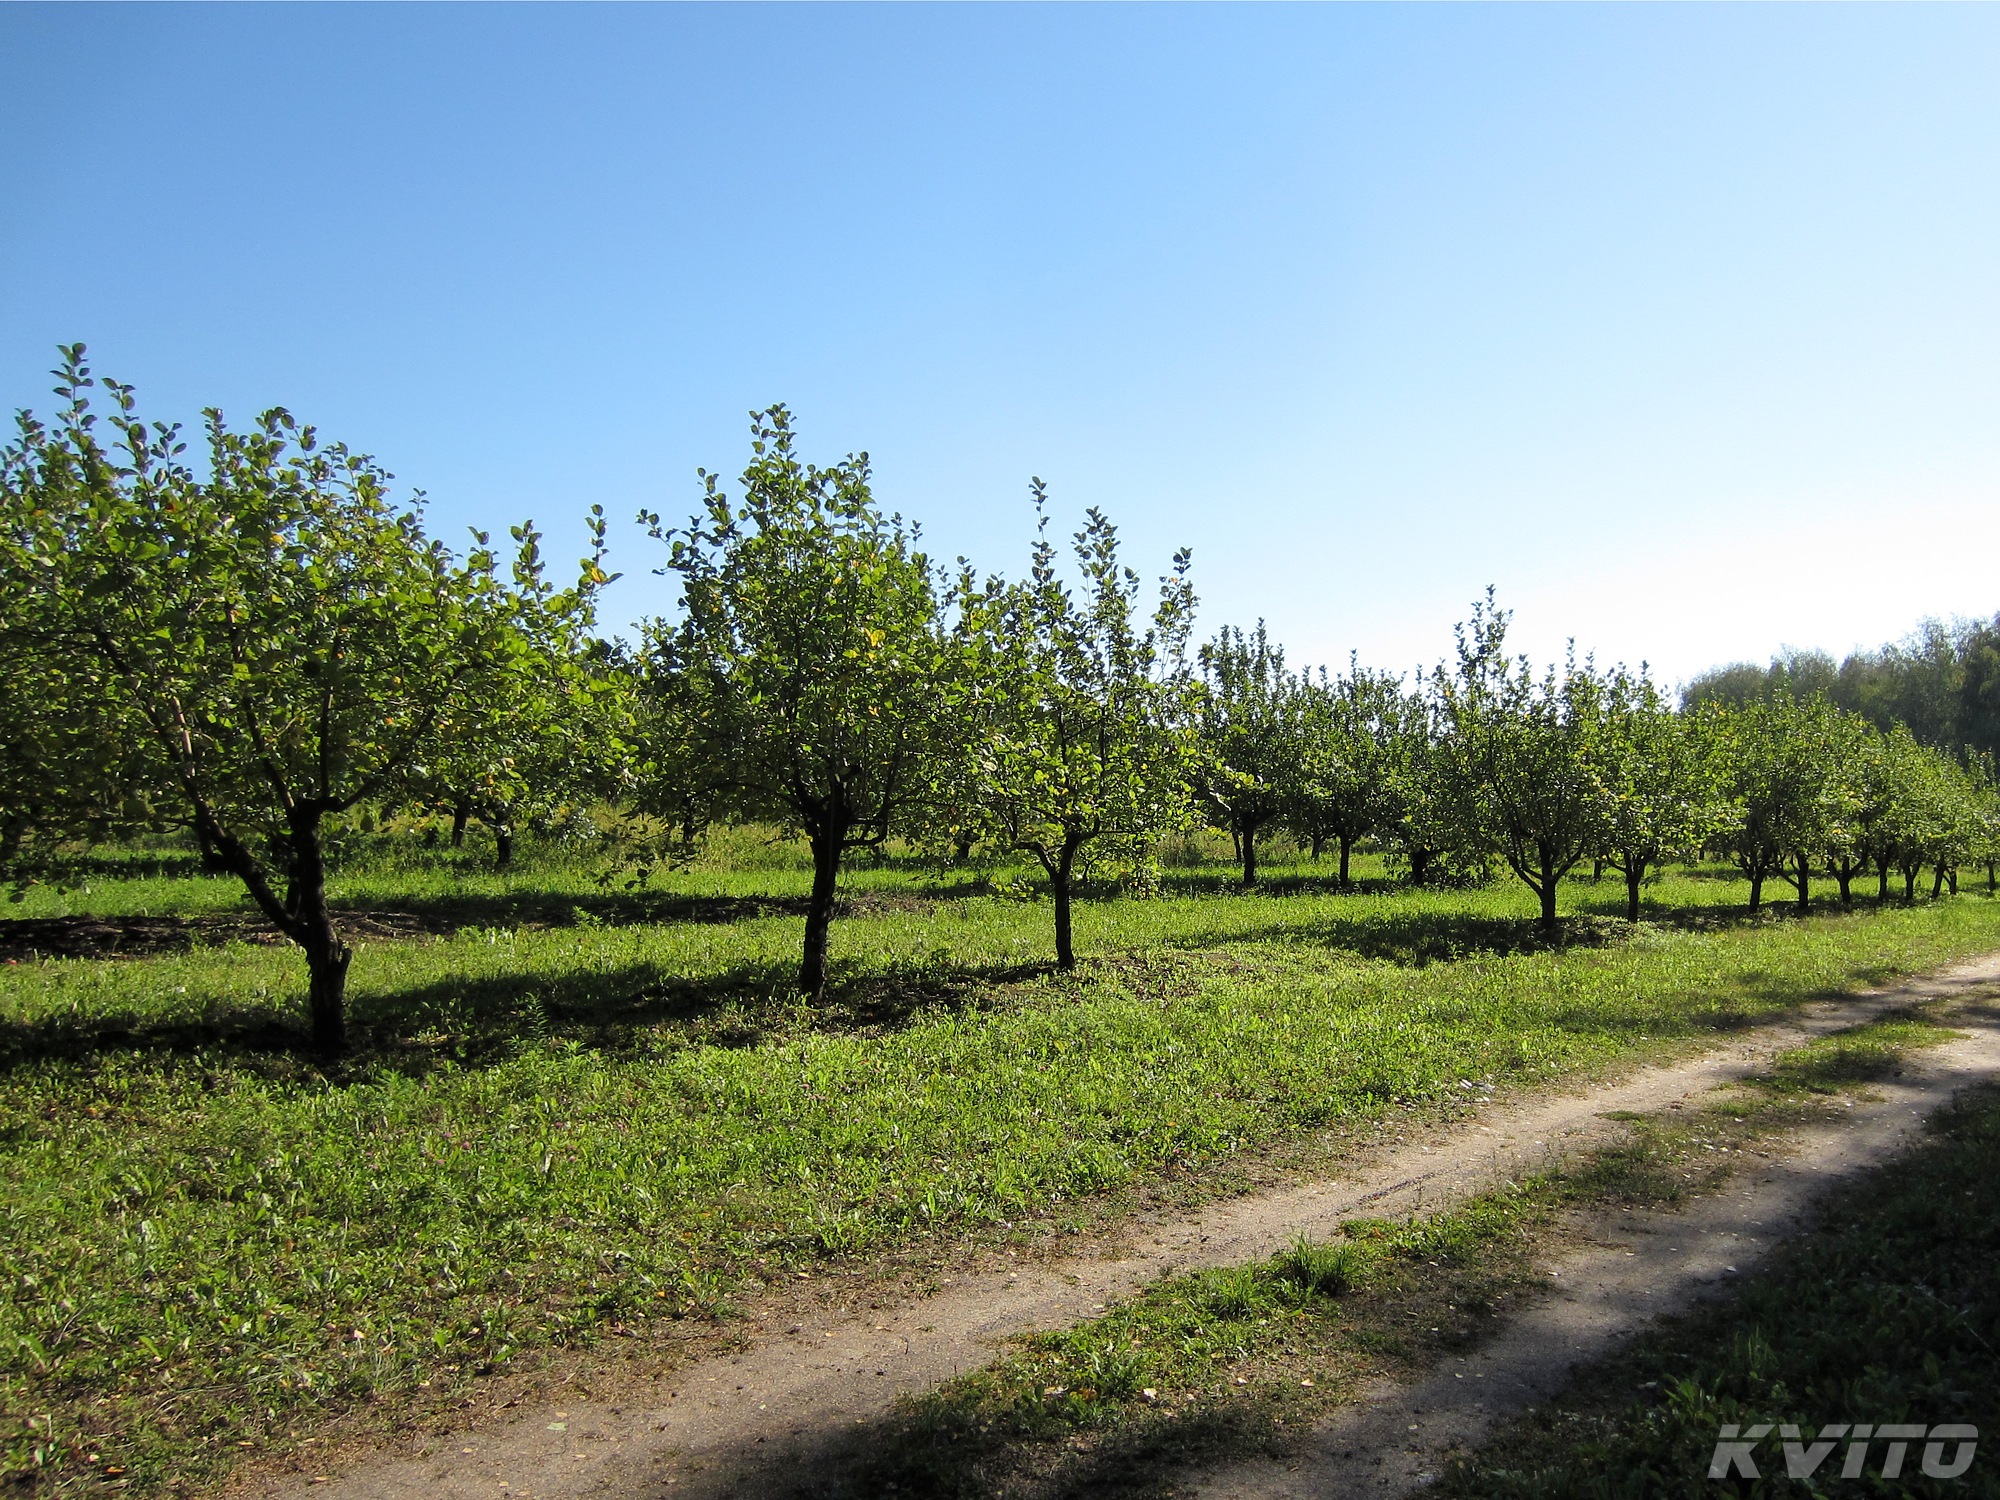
{"points": [[264, 644], [810, 680]]}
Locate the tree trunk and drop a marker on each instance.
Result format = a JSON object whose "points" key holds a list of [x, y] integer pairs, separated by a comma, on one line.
{"points": [[501, 817], [1882, 882], [326, 994], [1756, 873], [213, 862], [1548, 895], [819, 913], [1991, 865], [961, 846], [1937, 883], [1635, 871], [327, 956], [1248, 843], [1803, 880], [461, 814], [1843, 872], [1910, 884], [1597, 870], [1420, 866], [1059, 882], [1346, 847], [1318, 846]]}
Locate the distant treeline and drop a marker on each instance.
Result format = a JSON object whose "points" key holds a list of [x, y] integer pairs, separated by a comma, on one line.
{"points": [[1942, 682]]}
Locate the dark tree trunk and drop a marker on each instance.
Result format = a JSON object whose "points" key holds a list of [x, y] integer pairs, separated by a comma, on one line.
{"points": [[1843, 873], [1248, 843], [1061, 878], [1937, 883], [213, 861], [326, 993], [1346, 848], [1803, 880], [1910, 884], [1882, 882], [1597, 870], [1990, 867], [1756, 873], [327, 956], [461, 814], [501, 817], [1319, 847], [1420, 866], [961, 846], [301, 914], [1635, 871], [1548, 895], [826, 850]]}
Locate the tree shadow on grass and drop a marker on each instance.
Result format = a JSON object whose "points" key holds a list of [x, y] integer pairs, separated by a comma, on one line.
{"points": [[631, 1010], [1416, 939], [28, 939], [1228, 882]]}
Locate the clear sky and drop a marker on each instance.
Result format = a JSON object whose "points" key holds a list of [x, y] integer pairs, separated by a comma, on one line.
{"points": [[1680, 325]]}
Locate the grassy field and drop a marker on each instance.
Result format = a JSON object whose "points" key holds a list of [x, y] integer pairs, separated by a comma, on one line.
{"points": [[1241, 1360], [574, 1107]]}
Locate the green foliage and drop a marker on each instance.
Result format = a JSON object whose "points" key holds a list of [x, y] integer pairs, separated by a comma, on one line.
{"points": [[1942, 683], [810, 680], [1794, 781], [266, 645], [559, 742], [1248, 732], [1664, 780], [1351, 738], [1081, 750], [1524, 764]]}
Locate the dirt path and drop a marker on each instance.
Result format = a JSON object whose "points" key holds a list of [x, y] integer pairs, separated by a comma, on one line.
{"points": [[715, 1426], [1397, 1438]]}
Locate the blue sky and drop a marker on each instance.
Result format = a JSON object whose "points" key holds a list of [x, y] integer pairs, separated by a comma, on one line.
{"points": [[1680, 325]]}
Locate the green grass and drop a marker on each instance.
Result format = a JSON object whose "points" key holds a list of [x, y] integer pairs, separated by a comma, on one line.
{"points": [[551, 1130], [1238, 1360]]}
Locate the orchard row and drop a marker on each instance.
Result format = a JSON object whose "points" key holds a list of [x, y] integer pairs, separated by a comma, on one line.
{"points": [[257, 646]]}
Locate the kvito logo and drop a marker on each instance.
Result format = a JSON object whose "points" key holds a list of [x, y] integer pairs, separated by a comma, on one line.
{"points": [[1947, 1450]]}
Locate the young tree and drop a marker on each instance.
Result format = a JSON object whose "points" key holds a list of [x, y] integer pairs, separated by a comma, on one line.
{"points": [[276, 641], [560, 742], [1522, 763], [1082, 745], [1870, 778], [1346, 743], [1825, 750], [1247, 732], [810, 679], [1659, 769], [1793, 781]]}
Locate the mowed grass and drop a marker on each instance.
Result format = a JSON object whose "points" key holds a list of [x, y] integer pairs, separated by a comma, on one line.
{"points": [[551, 1130]]}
